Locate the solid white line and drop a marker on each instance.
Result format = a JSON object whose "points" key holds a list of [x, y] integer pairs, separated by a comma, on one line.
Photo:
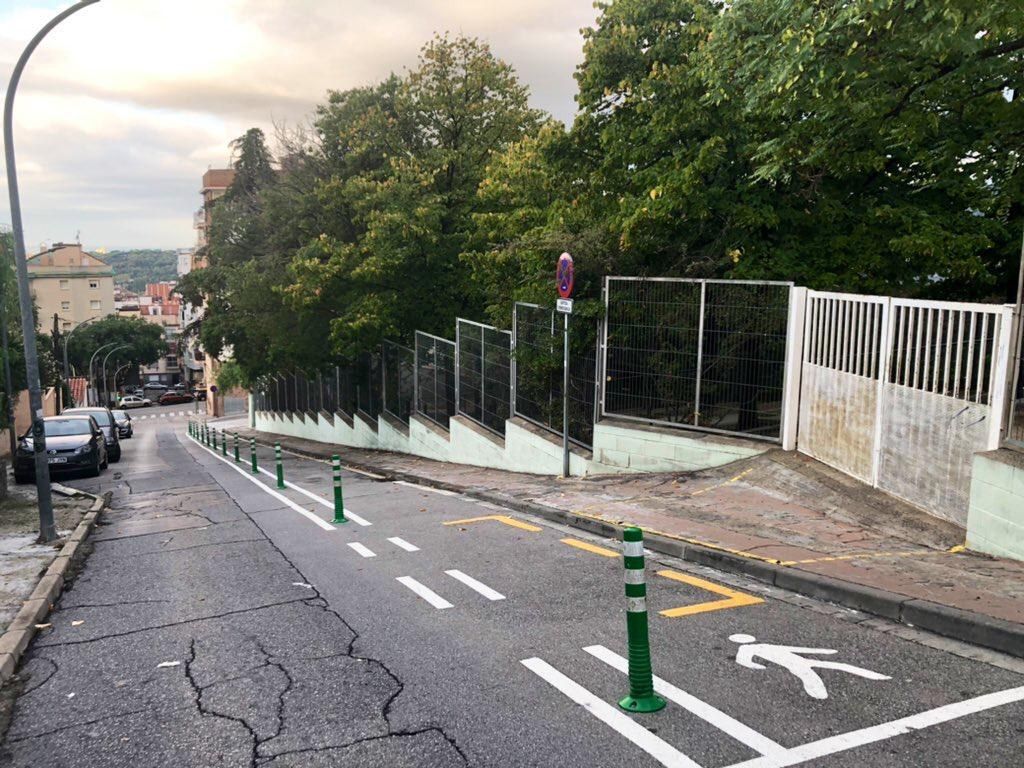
{"points": [[476, 586], [440, 491], [723, 722], [427, 594], [284, 500], [657, 748], [319, 499], [853, 739], [403, 544], [362, 550]]}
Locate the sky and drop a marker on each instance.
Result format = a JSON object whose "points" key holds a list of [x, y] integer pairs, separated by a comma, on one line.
{"points": [[125, 104]]}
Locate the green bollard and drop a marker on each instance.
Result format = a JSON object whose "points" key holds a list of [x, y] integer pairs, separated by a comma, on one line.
{"points": [[236, 448], [252, 453], [641, 678], [280, 465], [223, 443], [339, 503]]}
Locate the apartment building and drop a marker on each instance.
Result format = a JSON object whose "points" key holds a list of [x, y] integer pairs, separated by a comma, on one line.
{"points": [[73, 284]]}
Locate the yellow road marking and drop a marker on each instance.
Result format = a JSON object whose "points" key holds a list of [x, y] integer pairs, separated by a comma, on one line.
{"points": [[507, 520], [740, 476], [869, 555], [591, 548], [733, 598]]}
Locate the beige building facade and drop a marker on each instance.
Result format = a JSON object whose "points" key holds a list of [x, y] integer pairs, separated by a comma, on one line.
{"points": [[73, 284]]}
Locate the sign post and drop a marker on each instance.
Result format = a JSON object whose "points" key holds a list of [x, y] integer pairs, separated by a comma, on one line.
{"points": [[565, 279]]}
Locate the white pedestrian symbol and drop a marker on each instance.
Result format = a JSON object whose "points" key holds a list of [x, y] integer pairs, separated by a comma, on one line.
{"points": [[792, 659]]}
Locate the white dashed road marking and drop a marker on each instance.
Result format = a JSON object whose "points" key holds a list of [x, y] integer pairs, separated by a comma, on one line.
{"points": [[475, 585], [403, 544], [427, 594], [361, 549]]}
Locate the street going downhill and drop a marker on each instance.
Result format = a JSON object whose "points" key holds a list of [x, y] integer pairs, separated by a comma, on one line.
{"points": [[220, 620]]}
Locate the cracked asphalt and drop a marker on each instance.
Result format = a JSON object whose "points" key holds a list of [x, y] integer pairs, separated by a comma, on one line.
{"points": [[213, 625]]}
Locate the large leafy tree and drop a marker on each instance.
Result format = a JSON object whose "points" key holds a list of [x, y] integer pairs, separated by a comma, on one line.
{"points": [[143, 342]]}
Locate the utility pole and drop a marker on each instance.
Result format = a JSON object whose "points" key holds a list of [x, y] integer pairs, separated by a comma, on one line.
{"points": [[55, 340], [47, 529]]}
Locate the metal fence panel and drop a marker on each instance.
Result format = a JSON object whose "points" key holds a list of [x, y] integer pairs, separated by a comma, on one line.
{"points": [[368, 384], [538, 371], [708, 354], [1015, 425], [435, 378], [484, 367], [399, 365]]}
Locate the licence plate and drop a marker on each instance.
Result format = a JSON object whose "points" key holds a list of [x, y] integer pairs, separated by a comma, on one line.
{"points": [[58, 460]]}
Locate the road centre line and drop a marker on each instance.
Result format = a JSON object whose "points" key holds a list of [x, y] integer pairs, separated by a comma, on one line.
{"points": [[270, 491], [506, 519], [656, 747], [733, 598], [403, 544], [709, 714], [475, 585], [362, 549], [440, 491], [427, 594], [846, 741], [588, 547], [318, 499]]}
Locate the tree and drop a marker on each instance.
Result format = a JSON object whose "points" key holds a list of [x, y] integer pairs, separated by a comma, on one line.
{"points": [[143, 342]]}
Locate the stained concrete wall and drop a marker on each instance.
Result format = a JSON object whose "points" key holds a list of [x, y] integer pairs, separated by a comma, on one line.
{"points": [[995, 522], [619, 446]]}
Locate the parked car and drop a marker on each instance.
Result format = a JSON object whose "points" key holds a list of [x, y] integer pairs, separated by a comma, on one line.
{"points": [[173, 398], [124, 424], [73, 443], [201, 394], [134, 401], [154, 387], [105, 419]]}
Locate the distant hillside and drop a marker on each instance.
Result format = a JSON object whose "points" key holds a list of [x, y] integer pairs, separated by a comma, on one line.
{"points": [[137, 267]]}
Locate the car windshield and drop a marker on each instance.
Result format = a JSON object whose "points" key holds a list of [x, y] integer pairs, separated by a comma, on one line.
{"points": [[65, 427], [102, 416], [120, 415]]}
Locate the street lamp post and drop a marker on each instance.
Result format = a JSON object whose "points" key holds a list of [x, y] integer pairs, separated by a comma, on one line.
{"points": [[106, 391], [47, 529], [67, 339], [92, 360]]}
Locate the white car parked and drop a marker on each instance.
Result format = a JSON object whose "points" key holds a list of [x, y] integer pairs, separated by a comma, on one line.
{"points": [[134, 401]]}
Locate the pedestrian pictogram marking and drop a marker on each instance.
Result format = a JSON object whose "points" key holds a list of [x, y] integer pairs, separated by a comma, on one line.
{"points": [[793, 659], [732, 598], [505, 519], [592, 548]]}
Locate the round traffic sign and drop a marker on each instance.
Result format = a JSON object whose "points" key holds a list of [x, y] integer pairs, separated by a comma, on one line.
{"points": [[565, 276]]}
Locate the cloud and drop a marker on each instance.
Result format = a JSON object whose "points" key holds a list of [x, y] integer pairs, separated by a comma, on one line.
{"points": [[127, 103]]}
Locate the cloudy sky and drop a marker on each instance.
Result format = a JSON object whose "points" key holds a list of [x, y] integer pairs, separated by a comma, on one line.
{"points": [[125, 104]]}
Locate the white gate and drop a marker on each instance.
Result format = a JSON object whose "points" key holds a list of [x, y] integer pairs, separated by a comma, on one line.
{"points": [[901, 393]]}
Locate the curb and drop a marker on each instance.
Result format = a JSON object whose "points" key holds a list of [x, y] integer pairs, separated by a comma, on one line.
{"points": [[966, 626], [23, 628]]}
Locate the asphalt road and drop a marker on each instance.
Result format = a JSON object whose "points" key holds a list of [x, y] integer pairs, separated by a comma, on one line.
{"points": [[220, 621]]}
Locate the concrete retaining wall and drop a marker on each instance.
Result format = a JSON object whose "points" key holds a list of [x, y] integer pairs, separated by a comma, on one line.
{"points": [[995, 521]]}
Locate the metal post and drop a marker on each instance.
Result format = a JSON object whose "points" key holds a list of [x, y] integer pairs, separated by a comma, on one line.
{"points": [[280, 465], [700, 355], [67, 340], [92, 360], [47, 529], [223, 442], [641, 677], [106, 391], [339, 503], [252, 454], [236, 448], [565, 399]]}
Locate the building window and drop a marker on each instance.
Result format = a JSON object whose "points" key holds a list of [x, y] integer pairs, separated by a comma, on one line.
{"points": [[66, 325], [95, 304], [172, 361], [94, 283], [65, 285], [65, 305]]}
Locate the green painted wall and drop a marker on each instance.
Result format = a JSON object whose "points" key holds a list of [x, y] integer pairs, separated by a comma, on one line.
{"points": [[995, 521]]}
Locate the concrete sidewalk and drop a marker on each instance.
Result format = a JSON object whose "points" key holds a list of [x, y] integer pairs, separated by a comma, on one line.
{"points": [[781, 518]]}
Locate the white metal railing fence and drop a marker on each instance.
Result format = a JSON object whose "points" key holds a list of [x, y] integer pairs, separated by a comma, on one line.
{"points": [[483, 365], [901, 393], [703, 354]]}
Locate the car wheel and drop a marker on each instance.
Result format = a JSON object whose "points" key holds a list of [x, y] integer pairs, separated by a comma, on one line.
{"points": [[114, 456], [94, 471], [21, 479]]}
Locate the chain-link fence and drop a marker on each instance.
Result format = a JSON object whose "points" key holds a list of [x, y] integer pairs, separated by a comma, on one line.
{"points": [[538, 371], [399, 380], [708, 354], [484, 369], [435, 378]]}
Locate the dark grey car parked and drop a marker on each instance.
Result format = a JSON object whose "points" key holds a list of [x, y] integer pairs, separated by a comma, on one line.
{"points": [[73, 442], [106, 421]]}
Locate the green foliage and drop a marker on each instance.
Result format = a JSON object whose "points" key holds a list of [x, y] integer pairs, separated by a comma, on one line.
{"points": [[137, 267], [143, 342], [230, 375]]}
